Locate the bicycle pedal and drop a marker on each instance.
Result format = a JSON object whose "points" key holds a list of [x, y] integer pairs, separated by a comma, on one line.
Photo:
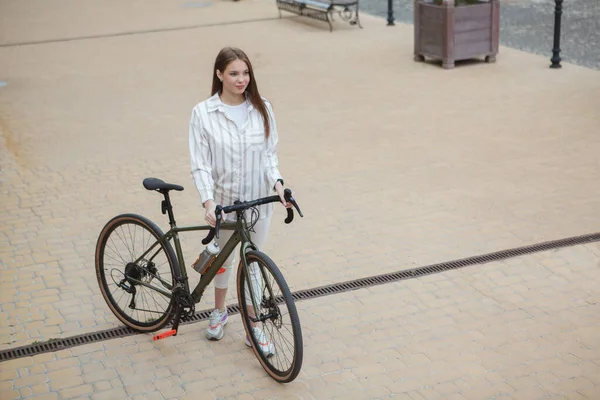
{"points": [[172, 332]]}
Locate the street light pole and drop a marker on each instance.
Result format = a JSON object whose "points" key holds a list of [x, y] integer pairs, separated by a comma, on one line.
{"points": [[556, 49], [390, 19]]}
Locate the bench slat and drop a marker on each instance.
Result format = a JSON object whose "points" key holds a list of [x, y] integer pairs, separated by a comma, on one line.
{"points": [[314, 3]]}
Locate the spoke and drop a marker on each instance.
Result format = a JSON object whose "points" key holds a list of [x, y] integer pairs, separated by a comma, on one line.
{"points": [[134, 235], [291, 343], [116, 264], [285, 339], [282, 343], [114, 249], [150, 311], [291, 332], [146, 292], [132, 240], [278, 354], [145, 303], [121, 236], [156, 303], [123, 293]]}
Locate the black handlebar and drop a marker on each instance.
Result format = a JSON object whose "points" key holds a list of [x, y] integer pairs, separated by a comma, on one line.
{"points": [[209, 237], [241, 206]]}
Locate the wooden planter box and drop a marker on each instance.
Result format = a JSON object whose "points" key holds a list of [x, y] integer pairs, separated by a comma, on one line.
{"points": [[448, 33]]}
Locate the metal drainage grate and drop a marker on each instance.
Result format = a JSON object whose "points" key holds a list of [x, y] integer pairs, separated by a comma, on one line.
{"points": [[441, 267], [60, 344]]}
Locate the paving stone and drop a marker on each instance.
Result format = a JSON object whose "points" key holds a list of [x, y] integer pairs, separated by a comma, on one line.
{"points": [[76, 391]]}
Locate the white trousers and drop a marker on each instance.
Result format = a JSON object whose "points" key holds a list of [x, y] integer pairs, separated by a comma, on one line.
{"points": [[258, 237]]}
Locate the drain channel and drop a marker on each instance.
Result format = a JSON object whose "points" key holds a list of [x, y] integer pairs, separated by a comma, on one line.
{"points": [[87, 338]]}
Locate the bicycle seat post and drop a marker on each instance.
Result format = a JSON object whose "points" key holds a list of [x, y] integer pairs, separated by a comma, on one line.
{"points": [[167, 208]]}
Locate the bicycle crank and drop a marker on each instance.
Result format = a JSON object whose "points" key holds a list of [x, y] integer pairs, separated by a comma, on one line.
{"points": [[182, 300]]}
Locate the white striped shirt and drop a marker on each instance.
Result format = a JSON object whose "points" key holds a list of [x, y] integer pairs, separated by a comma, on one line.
{"points": [[231, 163]]}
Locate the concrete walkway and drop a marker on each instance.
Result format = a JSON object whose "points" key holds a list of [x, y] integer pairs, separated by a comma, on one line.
{"points": [[396, 164]]}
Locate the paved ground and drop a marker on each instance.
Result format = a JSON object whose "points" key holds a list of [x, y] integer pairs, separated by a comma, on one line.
{"points": [[529, 25], [524, 329], [389, 175]]}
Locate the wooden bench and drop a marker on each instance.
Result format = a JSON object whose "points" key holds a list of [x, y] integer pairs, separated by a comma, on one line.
{"points": [[323, 9]]}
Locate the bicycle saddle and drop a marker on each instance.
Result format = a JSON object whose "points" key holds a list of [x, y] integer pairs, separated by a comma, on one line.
{"points": [[159, 184]]}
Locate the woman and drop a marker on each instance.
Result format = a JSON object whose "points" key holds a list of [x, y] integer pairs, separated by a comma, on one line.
{"points": [[233, 149]]}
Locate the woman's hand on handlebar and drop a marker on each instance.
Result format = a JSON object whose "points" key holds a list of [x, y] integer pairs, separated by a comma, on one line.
{"points": [[209, 216], [284, 196], [280, 191]]}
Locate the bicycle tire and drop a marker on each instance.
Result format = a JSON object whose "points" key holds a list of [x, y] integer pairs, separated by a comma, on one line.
{"points": [[115, 231], [275, 370]]}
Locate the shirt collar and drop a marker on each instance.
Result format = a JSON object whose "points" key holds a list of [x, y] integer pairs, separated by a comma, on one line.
{"points": [[214, 103]]}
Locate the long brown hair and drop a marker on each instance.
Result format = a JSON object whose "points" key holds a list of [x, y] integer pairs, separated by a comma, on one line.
{"points": [[227, 55]]}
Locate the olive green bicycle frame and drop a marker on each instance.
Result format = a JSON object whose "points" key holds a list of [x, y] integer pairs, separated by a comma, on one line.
{"points": [[240, 234]]}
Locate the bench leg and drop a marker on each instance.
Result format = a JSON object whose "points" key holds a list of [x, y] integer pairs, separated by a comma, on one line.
{"points": [[348, 15], [447, 64], [357, 19]]}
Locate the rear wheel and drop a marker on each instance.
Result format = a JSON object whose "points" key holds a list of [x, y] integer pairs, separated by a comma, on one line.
{"points": [[122, 273], [273, 327]]}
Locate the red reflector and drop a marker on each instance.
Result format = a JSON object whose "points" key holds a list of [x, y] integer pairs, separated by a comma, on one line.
{"points": [[163, 335]]}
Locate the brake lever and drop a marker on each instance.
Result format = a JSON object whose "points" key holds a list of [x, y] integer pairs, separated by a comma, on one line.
{"points": [[218, 215], [287, 194]]}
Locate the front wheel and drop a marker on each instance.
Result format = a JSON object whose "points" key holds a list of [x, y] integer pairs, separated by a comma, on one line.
{"points": [[269, 316], [136, 272]]}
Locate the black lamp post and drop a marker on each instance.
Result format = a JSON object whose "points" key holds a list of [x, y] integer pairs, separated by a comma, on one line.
{"points": [[390, 19], [556, 49]]}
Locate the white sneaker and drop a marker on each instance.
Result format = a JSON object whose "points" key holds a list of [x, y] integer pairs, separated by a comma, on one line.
{"points": [[264, 345], [216, 323]]}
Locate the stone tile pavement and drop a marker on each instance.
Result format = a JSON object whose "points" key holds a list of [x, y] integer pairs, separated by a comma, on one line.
{"points": [[523, 328], [396, 164]]}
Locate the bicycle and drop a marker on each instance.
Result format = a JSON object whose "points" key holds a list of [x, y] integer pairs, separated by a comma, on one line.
{"points": [[135, 261]]}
